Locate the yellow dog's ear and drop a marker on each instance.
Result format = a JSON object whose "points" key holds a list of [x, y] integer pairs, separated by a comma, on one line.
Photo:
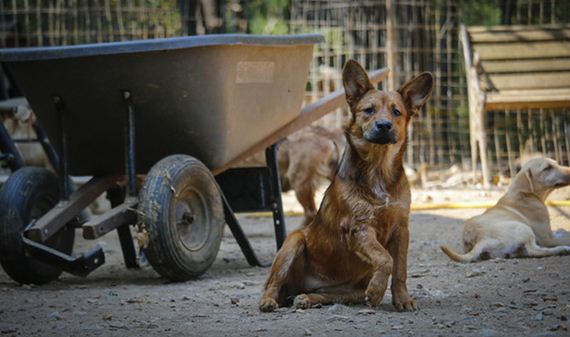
{"points": [[528, 175]]}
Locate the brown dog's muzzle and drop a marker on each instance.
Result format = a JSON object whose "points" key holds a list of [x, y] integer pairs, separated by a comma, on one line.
{"points": [[381, 133]]}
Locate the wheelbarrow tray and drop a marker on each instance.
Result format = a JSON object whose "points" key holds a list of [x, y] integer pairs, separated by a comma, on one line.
{"points": [[212, 97]]}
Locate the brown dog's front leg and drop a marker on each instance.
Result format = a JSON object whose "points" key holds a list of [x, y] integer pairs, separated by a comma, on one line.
{"points": [[398, 247], [362, 240], [286, 260]]}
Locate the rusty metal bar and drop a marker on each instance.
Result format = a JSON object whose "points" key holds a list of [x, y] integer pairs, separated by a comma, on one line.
{"points": [[124, 214], [65, 211]]}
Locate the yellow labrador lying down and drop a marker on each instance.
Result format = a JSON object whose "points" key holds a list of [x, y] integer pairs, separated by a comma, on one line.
{"points": [[518, 225]]}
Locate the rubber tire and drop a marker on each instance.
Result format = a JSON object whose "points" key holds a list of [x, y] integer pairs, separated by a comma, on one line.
{"points": [[157, 212], [26, 189]]}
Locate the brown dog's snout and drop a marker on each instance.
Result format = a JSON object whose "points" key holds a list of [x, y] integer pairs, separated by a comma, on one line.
{"points": [[383, 125]]}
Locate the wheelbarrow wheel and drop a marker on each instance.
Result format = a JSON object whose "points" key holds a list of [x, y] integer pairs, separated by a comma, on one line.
{"points": [[181, 210], [28, 194]]}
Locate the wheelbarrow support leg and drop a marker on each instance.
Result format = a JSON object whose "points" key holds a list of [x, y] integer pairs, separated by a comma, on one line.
{"points": [[124, 231], [116, 197], [239, 235], [63, 169], [276, 202]]}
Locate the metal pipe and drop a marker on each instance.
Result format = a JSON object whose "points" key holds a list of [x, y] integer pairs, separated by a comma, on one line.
{"points": [[276, 202], [130, 159], [7, 147], [63, 167], [46, 145]]}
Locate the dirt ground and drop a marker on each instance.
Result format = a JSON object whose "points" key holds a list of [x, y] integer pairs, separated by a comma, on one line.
{"points": [[524, 297]]}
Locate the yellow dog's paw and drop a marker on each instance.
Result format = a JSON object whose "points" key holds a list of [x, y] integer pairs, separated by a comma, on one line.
{"points": [[405, 305], [268, 304]]}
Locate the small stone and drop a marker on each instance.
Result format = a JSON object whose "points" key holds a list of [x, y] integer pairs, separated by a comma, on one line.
{"points": [[367, 312], [132, 300], [55, 315], [539, 317], [308, 332], [234, 301], [497, 305], [563, 318], [117, 325], [300, 311], [186, 298], [474, 273], [559, 327], [107, 317], [397, 327], [546, 297], [8, 330]]}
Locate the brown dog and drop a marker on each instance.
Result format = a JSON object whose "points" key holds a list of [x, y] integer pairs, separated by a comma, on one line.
{"points": [[360, 233], [305, 159], [518, 225]]}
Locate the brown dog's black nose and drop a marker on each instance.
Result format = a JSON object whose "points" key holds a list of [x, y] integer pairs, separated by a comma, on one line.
{"points": [[383, 125]]}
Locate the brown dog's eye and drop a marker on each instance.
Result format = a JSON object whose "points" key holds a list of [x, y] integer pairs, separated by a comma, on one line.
{"points": [[396, 112], [368, 111]]}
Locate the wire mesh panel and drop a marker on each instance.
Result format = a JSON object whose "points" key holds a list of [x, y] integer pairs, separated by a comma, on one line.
{"points": [[425, 40], [25, 23]]}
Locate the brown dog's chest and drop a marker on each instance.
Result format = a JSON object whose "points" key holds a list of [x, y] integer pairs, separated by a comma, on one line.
{"points": [[384, 214]]}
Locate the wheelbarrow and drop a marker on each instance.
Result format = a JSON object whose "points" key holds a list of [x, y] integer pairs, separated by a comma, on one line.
{"points": [[160, 126]]}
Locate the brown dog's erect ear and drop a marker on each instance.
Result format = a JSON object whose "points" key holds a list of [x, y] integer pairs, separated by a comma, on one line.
{"points": [[417, 91], [356, 82]]}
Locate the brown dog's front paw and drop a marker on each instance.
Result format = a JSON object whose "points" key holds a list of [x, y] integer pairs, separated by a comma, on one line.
{"points": [[302, 301], [373, 297], [268, 304], [405, 305]]}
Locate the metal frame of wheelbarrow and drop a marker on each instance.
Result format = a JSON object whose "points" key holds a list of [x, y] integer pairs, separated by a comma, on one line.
{"points": [[242, 190]]}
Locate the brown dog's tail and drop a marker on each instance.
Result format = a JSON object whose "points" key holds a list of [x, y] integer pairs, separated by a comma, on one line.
{"points": [[468, 257]]}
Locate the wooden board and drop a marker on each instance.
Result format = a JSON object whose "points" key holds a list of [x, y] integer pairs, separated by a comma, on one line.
{"points": [[526, 81], [526, 98], [515, 66], [506, 51], [515, 28], [521, 36]]}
